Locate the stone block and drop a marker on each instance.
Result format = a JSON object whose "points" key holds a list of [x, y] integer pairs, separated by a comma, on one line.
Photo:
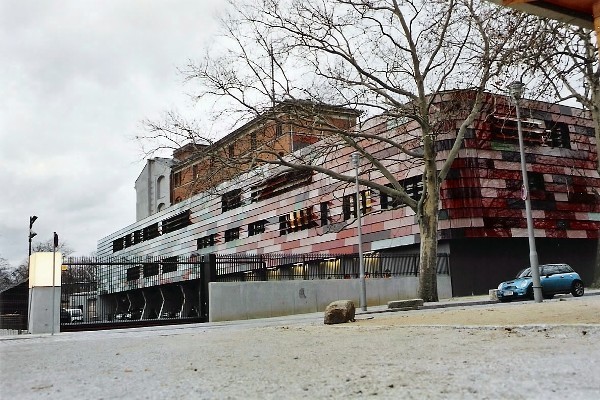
{"points": [[411, 304]]}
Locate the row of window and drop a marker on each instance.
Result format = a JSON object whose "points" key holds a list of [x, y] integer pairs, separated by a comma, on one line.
{"points": [[152, 269], [535, 131], [306, 218], [154, 230]]}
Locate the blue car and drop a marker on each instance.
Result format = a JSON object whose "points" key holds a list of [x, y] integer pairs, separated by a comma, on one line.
{"points": [[555, 279]]}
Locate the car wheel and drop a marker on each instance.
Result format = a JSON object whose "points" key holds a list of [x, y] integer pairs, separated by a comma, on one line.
{"points": [[577, 289], [530, 293]]}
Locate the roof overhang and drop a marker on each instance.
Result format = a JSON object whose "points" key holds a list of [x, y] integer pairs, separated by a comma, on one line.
{"points": [[578, 12]]}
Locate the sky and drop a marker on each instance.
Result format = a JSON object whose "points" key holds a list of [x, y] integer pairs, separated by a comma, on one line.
{"points": [[77, 78]]}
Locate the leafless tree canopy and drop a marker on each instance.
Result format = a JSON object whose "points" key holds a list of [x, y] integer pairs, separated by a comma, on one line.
{"points": [[388, 59]]}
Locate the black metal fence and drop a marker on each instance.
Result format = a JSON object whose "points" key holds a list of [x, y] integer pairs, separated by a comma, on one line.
{"points": [[103, 293], [269, 267]]}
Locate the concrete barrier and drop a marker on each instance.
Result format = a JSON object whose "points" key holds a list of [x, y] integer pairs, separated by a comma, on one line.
{"points": [[411, 304], [229, 301]]}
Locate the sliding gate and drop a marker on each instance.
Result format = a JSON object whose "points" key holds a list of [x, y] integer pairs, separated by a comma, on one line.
{"points": [[107, 293]]}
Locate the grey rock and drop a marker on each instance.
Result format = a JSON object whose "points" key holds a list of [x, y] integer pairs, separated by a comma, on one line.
{"points": [[339, 311]]}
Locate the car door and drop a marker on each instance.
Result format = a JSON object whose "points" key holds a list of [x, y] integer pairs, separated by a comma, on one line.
{"points": [[564, 278], [550, 278]]}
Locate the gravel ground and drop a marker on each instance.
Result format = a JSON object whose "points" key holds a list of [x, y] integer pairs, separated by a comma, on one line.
{"points": [[496, 351]]}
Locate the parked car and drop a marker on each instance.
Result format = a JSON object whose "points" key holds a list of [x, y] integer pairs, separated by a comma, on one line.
{"points": [[65, 317], [76, 314], [554, 278]]}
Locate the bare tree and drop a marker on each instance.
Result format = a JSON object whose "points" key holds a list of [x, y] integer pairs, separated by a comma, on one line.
{"points": [[387, 59], [5, 274], [21, 271]]}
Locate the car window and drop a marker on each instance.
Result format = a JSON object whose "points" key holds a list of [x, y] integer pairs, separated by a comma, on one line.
{"points": [[524, 273], [550, 270], [564, 269]]}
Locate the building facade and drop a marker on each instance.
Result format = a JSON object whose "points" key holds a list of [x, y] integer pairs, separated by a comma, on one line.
{"points": [[153, 187], [482, 214]]}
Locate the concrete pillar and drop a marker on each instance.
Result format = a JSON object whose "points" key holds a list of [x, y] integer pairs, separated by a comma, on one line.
{"points": [[44, 292]]}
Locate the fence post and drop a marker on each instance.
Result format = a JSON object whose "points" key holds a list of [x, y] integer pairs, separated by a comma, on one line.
{"points": [[209, 273]]}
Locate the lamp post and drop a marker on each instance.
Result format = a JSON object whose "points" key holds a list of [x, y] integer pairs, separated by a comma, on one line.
{"points": [[355, 160], [516, 91], [32, 219]]}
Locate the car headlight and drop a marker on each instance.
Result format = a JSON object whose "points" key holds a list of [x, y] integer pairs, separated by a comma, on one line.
{"points": [[522, 284], [500, 286]]}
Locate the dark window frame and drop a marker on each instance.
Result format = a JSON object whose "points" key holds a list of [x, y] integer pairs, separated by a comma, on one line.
{"points": [[231, 200], [232, 234]]}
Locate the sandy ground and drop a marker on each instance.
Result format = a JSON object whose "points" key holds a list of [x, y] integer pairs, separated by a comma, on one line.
{"points": [[519, 351], [562, 310]]}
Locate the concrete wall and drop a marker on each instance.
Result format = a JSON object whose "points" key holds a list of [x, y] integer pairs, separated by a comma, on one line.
{"points": [[247, 300]]}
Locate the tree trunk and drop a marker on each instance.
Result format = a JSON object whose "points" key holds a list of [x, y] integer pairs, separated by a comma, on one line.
{"points": [[428, 224]]}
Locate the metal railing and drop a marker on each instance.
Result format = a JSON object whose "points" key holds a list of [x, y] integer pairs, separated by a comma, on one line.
{"points": [[104, 293], [269, 267]]}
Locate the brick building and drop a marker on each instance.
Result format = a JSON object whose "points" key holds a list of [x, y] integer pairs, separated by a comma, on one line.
{"points": [[482, 216]]}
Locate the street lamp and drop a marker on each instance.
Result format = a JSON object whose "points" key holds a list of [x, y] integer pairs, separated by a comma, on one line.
{"points": [[515, 90], [355, 161], [32, 219]]}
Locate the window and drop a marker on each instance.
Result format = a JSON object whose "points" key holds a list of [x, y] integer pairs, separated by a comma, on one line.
{"points": [[257, 227], [195, 172], [349, 204], [557, 135], [231, 200], [324, 208], [253, 140], [232, 234], [281, 183], [176, 222], [536, 181], [176, 179], [505, 128], [206, 241], [118, 245], [278, 129], [169, 264], [413, 186], [160, 187], [388, 201], [128, 240], [133, 273], [150, 269], [231, 151], [138, 236], [151, 231], [297, 221]]}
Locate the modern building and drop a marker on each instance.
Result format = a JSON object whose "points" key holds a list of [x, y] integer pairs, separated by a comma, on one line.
{"points": [[482, 227]]}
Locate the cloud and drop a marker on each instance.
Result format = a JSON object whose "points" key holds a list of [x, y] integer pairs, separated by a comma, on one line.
{"points": [[77, 77]]}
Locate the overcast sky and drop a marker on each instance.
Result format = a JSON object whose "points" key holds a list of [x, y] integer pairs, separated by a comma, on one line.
{"points": [[76, 80]]}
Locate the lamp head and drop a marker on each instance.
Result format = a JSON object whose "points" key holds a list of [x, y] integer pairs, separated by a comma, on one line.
{"points": [[516, 89], [32, 219], [355, 159]]}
